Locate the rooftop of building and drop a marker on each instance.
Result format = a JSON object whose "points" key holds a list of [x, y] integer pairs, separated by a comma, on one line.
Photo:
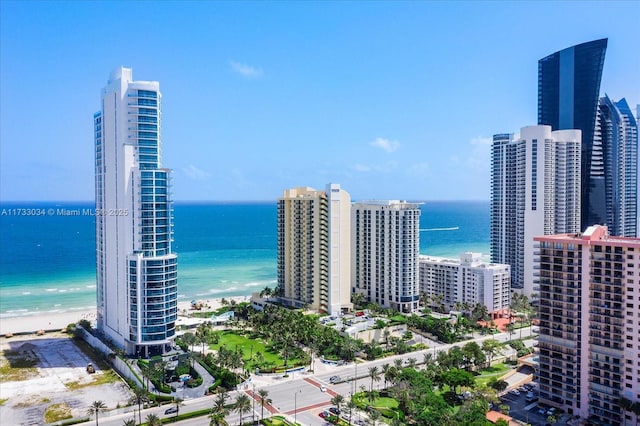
{"points": [[594, 233], [467, 259]]}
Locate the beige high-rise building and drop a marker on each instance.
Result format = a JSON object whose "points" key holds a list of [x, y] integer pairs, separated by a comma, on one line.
{"points": [[314, 248]]}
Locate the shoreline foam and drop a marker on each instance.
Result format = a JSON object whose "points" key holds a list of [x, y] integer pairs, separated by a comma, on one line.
{"points": [[56, 321]]}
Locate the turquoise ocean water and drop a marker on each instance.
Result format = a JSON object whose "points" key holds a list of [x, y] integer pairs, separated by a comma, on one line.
{"points": [[47, 261]]}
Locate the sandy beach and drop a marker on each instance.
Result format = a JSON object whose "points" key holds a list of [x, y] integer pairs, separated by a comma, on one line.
{"points": [[56, 321]]}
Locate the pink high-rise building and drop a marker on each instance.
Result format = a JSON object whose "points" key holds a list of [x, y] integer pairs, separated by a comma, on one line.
{"points": [[590, 324]]}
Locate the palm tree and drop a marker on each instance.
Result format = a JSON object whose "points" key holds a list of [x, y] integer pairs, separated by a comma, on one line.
{"points": [[179, 403], [139, 398], [189, 339], [385, 373], [242, 405], [153, 420], [96, 408], [202, 334], [129, 422], [146, 373], [626, 405], [338, 401], [264, 399], [351, 404], [412, 362], [374, 373], [219, 411], [374, 415]]}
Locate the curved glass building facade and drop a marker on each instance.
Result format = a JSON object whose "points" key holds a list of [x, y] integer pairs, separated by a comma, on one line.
{"points": [[568, 92], [137, 280]]}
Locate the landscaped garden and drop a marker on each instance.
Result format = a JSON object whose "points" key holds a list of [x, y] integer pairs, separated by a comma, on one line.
{"points": [[489, 374]]}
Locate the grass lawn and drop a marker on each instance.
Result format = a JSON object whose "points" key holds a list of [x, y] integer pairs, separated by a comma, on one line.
{"points": [[384, 402], [249, 347], [493, 372]]}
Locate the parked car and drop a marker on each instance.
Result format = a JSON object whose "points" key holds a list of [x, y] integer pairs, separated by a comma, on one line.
{"points": [[324, 414], [515, 392], [171, 410], [551, 411], [334, 410]]}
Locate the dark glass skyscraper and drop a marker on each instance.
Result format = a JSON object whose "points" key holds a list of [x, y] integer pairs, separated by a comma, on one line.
{"points": [[614, 168], [568, 92]]}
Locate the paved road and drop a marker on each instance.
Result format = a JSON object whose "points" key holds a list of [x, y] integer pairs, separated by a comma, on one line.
{"points": [[300, 396]]}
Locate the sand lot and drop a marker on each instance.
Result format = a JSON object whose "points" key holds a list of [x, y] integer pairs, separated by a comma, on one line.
{"points": [[40, 371]]}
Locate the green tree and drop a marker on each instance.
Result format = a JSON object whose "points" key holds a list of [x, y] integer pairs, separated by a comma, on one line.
{"points": [[499, 385], [479, 312], [374, 416], [456, 378], [264, 399], [374, 374], [96, 408], [491, 348], [153, 420], [338, 401], [219, 411], [626, 405], [385, 373], [139, 398], [472, 412], [129, 422], [242, 405], [179, 402], [189, 339]]}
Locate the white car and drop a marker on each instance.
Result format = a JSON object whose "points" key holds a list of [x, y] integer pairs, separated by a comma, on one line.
{"points": [[323, 388], [515, 392]]}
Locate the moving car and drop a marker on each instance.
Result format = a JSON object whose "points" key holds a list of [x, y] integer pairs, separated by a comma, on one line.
{"points": [[334, 379], [323, 388], [171, 410]]}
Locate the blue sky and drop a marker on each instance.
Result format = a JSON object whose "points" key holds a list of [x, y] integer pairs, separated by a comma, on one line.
{"points": [[393, 100]]}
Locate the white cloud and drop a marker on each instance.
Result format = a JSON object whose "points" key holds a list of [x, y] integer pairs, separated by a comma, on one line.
{"points": [[195, 173], [386, 144], [361, 168], [379, 168], [245, 70]]}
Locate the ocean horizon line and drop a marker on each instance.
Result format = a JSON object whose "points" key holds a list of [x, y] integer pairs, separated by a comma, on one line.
{"points": [[200, 202]]}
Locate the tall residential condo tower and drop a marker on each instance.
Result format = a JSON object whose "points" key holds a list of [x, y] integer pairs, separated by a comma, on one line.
{"points": [[614, 168], [568, 91], [386, 246], [136, 268], [314, 248], [535, 190], [589, 343]]}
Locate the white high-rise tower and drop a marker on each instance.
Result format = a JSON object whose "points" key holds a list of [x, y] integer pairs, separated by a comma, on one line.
{"points": [[386, 246], [136, 269], [535, 190]]}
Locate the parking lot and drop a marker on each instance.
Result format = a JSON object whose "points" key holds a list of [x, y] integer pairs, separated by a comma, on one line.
{"points": [[524, 406]]}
